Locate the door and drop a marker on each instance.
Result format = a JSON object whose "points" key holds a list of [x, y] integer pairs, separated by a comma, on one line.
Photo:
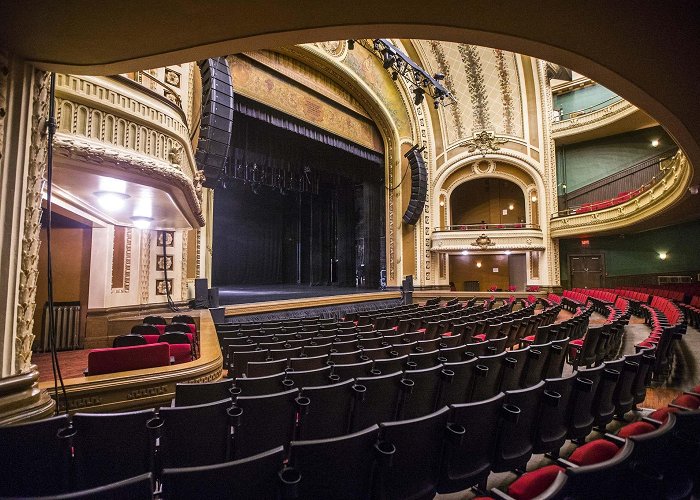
{"points": [[586, 270]]}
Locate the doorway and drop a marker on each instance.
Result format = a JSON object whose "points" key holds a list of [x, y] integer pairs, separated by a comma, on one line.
{"points": [[586, 271]]}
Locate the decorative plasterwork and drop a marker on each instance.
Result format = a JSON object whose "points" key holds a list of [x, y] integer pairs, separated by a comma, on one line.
{"points": [[96, 153], [593, 120], [109, 96], [145, 266], [127, 263], [484, 142], [183, 272], [29, 272], [667, 191], [475, 241], [4, 71]]}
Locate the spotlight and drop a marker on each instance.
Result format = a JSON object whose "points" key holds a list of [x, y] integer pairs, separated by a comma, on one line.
{"points": [[110, 200], [142, 222], [394, 75], [439, 76], [420, 95], [351, 44], [436, 104]]}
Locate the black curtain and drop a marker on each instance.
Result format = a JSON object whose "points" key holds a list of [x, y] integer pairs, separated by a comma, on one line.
{"points": [[267, 236]]}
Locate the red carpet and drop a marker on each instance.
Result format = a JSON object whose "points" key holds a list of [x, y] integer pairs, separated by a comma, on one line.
{"points": [[72, 364]]}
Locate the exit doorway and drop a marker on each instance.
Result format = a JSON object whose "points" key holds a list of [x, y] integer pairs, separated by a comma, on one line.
{"points": [[587, 271]]}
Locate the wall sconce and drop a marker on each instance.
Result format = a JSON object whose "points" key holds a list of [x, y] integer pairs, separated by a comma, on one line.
{"points": [[663, 255], [442, 203], [478, 264], [533, 198], [511, 206]]}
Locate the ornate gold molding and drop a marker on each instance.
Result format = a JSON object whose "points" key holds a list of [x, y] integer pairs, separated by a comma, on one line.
{"points": [[475, 241], [595, 119], [22, 400], [95, 154], [29, 270], [666, 192]]}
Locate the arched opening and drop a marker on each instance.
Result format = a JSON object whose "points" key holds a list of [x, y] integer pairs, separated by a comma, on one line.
{"points": [[487, 201]]}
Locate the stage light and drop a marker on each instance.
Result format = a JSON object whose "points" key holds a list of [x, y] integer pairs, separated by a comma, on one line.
{"points": [[351, 44], [419, 96], [388, 58], [439, 76], [142, 222], [663, 255], [394, 75], [110, 200]]}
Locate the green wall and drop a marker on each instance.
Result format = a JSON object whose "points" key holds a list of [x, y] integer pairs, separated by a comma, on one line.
{"points": [[586, 162], [592, 96], [634, 254]]}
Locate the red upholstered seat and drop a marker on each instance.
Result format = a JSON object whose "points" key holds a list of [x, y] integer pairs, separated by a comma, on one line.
{"points": [[635, 429], [119, 359], [447, 334], [594, 452], [193, 327], [181, 352], [529, 338], [696, 389], [421, 330], [662, 413], [531, 484], [161, 329], [687, 401], [481, 337], [151, 339]]}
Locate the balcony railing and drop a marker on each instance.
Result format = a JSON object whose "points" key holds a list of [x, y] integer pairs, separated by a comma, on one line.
{"points": [[590, 109], [477, 226]]}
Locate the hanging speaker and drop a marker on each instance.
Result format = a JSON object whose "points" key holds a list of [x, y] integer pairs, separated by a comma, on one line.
{"points": [[419, 184], [217, 119]]}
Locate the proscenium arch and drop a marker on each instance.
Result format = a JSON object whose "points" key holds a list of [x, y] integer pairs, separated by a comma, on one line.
{"points": [[205, 30], [529, 166]]}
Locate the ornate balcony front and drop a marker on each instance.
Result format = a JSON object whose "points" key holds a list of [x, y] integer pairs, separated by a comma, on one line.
{"points": [[487, 238], [113, 128]]}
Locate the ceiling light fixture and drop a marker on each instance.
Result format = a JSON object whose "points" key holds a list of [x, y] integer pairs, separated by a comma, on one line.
{"points": [[663, 255], [141, 222], [655, 143], [507, 252], [111, 200], [478, 264], [511, 206], [464, 252]]}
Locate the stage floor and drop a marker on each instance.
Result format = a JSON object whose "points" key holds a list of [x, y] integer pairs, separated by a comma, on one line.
{"points": [[248, 294]]}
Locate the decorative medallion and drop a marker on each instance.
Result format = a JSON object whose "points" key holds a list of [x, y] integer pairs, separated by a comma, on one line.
{"points": [[483, 242], [484, 141], [334, 48]]}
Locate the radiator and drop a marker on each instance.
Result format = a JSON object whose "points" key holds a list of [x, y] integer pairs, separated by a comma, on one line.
{"points": [[67, 323]]}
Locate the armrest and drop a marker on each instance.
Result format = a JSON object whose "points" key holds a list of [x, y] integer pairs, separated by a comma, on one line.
{"points": [[614, 439], [652, 421], [565, 463], [172, 360], [496, 493], [674, 405]]}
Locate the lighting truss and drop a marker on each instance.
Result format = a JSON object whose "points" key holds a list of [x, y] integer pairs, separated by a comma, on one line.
{"points": [[399, 64]]}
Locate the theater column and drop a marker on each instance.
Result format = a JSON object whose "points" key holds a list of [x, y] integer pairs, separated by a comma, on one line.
{"points": [[24, 100]]}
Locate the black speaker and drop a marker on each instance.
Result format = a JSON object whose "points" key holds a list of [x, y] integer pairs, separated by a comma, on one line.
{"points": [[214, 297], [419, 184], [201, 293], [217, 119]]}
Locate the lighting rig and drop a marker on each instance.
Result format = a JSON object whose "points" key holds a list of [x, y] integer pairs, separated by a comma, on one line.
{"points": [[399, 64], [283, 180]]}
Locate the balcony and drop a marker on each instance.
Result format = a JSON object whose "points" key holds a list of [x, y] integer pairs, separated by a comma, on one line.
{"points": [[115, 132], [487, 238], [652, 198]]}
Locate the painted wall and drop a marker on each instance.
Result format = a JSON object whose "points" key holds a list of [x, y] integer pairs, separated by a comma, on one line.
{"points": [[635, 254], [464, 268], [589, 98], [487, 199], [583, 163]]}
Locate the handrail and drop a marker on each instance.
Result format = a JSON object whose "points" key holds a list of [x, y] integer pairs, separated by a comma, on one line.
{"points": [[607, 203], [583, 111], [477, 226], [177, 106]]}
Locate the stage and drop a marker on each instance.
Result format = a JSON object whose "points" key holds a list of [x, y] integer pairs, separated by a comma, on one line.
{"points": [[270, 301], [246, 294]]}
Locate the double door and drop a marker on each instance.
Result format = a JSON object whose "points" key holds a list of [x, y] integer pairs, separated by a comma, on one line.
{"points": [[587, 271]]}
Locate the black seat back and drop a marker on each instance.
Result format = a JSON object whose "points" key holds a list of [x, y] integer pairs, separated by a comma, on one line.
{"points": [[422, 391], [328, 411], [129, 340], [376, 400], [204, 392]]}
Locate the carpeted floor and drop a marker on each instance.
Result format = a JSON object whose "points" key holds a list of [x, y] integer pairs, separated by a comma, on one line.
{"points": [[72, 364]]}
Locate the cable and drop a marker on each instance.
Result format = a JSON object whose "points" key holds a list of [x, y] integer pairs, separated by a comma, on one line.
{"points": [[56, 367]]}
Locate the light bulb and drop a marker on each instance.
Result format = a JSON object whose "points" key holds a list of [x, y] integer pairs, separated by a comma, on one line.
{"points": [[110, 200]]}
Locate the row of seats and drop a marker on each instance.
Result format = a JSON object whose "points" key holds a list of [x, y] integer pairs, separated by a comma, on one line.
{"points": [[448, 450], [656, 457]]}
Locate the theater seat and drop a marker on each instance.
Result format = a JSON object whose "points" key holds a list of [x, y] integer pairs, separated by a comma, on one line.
{"points": [[635, 429], [687, 401], [594, 452], [662, 413], [532, 484], [118, 359]]}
